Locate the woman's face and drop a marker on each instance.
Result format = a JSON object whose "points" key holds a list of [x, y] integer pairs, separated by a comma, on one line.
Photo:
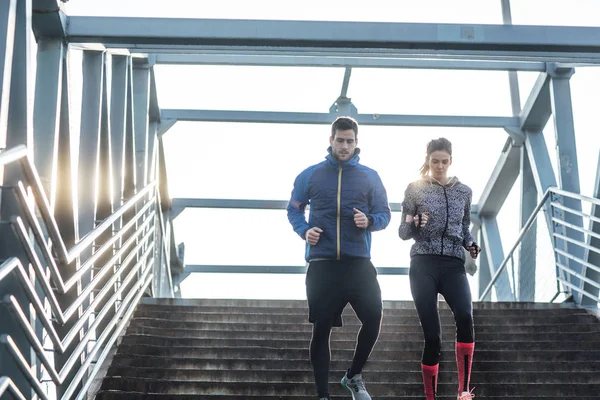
{"points": [[439, 161]]}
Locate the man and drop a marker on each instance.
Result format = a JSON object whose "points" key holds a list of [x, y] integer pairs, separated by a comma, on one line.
{"points": [[347, 202]]}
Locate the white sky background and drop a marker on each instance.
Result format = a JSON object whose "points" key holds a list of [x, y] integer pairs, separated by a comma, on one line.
{"points": [[260, 161]]}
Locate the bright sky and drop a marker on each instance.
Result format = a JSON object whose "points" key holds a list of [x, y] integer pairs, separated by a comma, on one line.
{"points": [[260, 161]]}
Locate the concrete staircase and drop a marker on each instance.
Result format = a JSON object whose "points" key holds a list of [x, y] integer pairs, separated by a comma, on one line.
{"points": [[258, 349]]}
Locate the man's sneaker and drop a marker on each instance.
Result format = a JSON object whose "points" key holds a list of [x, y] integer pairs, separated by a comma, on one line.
{"points": [[466, 395], [356, 386]]}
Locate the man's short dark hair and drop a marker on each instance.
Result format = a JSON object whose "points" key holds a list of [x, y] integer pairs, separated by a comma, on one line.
{"points": [[343, 124]]}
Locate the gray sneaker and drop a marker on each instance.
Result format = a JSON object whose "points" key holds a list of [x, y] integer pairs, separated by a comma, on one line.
{"points": [[356, 386]]}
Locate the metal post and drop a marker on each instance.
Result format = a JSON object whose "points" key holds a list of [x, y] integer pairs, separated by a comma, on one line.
{"points": [[568, 171], [527, 251]]}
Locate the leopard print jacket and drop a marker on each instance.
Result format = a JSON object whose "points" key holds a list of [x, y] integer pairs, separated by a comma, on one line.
{"points": [[449, 210]]}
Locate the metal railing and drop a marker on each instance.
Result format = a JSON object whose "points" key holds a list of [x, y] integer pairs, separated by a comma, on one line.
{"points": [[130, 259], [570, 242]]}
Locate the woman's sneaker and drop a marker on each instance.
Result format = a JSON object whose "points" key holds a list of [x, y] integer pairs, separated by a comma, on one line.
{"points": [[356, 386], [466, 395]]}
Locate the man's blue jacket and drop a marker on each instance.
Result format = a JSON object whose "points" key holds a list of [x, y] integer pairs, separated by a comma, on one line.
{"points": [[333, 189]]}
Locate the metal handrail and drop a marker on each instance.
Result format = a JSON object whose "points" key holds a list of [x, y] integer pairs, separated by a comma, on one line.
{"points": [[575, 196], [20, 153], [565, 224], [522, 233], [127, 252], [7, 385]]}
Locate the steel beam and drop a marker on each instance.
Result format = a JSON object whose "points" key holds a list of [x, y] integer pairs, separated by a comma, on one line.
{"points": [[16, 119], [341, 61], [346, 82], [527, 251], [485, 270], [537, 109], [47, 108], [179, 204], [495, 257], [273, 269], [568, 170], [48, 19], [141, 102], [542, 170], [513, 80], [93, 77], [8, 14], [327, 34], [327, 118], [118, 117], [501, 181]]}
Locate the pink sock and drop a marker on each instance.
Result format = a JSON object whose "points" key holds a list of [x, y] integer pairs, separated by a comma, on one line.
{"points": [[430, 378], [464, 359]]}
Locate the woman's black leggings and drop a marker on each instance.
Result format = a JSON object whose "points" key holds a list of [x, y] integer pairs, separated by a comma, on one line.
{"points": [[430, 275]]}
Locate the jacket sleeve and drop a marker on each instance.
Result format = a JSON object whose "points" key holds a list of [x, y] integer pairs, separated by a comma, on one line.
{"points": [[408, 230], [297, 205], [379, 209], [466, 222]]}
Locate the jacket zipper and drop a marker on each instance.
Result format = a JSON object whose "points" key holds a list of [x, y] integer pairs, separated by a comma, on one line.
{"points": [[339, 213], [447, 212]]}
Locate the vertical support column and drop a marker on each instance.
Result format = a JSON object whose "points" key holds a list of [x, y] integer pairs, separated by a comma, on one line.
{"points": [[141, 97], [495, 255], [104, 197], [513, 79], [16, 127], [527, 251], [485, 276], [118, 117], [8, 16], [65, 213], [89, 156], [568, 171], [48, 91], [46, 123]]}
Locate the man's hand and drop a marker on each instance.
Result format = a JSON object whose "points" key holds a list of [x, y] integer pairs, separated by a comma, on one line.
{"points": [[312, 235], [474, 250], [360, 219]]}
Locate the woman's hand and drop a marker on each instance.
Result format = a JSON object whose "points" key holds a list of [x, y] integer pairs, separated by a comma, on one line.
{"points": [[420, 220]]}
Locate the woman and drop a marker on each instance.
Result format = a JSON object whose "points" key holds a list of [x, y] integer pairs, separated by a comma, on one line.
{"points": [[436, 214]]}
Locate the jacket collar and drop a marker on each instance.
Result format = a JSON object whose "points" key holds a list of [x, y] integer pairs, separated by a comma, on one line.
{"points": [[351, 162]]}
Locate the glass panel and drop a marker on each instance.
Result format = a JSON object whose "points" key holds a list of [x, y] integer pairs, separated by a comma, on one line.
{"points": [[248, 88], [430, 92]]}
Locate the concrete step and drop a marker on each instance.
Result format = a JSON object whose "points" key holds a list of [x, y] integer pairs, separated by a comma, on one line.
{"points": [[258, 349], [268, 318], [448, 335], [353, 325], [301, 304], [121, 395], [289, 388], [343, 354], [396, 346], [306, 375], [142, 308], [146, 361]]}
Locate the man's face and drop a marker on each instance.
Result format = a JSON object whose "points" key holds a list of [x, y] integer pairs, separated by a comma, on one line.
{"points": [[343, 144]]}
